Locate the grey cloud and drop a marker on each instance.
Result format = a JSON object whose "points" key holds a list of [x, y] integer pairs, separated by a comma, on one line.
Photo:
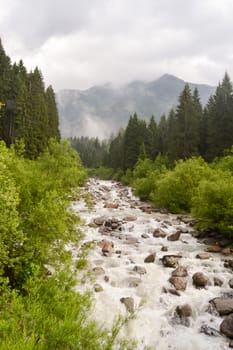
{"points": [[78, 44]]}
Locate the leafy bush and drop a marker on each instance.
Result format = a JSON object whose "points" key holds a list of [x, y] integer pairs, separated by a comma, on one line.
{"points": [[175, 188], [213, 202]]}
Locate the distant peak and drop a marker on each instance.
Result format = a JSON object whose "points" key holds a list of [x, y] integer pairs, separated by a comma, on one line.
{"points": [[167, 76]]}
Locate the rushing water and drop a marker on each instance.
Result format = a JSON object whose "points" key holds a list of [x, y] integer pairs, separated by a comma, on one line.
{"points": [[156, 323]]}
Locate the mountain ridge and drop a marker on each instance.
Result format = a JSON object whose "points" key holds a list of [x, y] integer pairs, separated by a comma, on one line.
{"points": [[103, 110]]}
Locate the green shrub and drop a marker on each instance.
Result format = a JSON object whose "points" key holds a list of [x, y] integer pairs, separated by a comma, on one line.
{"points": [[175, 188], [213, 202]]}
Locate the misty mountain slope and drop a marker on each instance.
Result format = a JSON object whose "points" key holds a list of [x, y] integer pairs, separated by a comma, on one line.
{"points": [[102, 110]]}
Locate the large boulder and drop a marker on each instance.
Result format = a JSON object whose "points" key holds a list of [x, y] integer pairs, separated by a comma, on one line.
{"points": [[226, 326], [179, 283], [224, 306]]}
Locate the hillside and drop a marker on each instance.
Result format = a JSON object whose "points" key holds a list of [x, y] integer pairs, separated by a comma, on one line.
{"points": [[101, 110]]}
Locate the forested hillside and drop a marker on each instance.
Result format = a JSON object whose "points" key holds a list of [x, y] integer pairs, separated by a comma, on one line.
{"points": [[28, 110], [105, 109], [189, 130]]}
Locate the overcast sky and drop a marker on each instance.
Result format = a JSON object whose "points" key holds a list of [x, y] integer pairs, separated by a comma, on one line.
{"points": [[78, 44]]}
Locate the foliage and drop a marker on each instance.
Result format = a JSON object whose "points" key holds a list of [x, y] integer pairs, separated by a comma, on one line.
{"points": [[175, 189], [39, 307], [213, 202]]}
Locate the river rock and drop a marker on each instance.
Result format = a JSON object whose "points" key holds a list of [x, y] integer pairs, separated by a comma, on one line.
{"points": [[181, 271], [171, 291], [218, 282], [159, 233], [170, 260], [130, 218], [228, 263], [200, 280], [184, 310], [98, 271], [179, 283], [203, 256], [107, 248], [145, 236], [111, 205], [150, 258], [164, 249], [226, 251], [140, 270], [174, 236], [231, 283], [99, 221], [226, 326], [214, 249], [128, 302], [224, 306]]}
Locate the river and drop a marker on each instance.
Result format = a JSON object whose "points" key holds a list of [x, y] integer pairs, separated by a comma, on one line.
{"points": [[121, 272]]}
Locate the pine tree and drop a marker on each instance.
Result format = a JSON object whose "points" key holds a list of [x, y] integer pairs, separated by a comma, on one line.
{"points": [[219, 120], [39, 113], [187, 125], [53, 119], [153, 139]]}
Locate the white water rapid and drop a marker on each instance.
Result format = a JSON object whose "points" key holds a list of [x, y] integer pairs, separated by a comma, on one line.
{"points": [[156, 324]]}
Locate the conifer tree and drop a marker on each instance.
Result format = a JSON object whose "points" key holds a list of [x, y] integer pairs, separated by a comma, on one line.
{"points": [[53, 119], [153, 139], [219, 120]]}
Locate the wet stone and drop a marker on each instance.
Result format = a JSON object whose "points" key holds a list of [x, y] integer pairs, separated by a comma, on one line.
{"points": [[159, 233], [181, 271], [174, 237], [179, 283], [170, 260], [203, 256], [218, 282], [200, 280], [150, 258], [224, 306], [140, 270], [184, 310]]}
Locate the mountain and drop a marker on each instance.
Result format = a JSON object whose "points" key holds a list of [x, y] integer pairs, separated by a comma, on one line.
{"points": [[102, 110]]}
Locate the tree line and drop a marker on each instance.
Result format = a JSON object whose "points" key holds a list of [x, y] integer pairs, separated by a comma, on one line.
{"points": [[189, 130], [28, 110]]}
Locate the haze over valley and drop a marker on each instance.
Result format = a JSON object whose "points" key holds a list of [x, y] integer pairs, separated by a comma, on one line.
{"points": [[103, 110]]}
